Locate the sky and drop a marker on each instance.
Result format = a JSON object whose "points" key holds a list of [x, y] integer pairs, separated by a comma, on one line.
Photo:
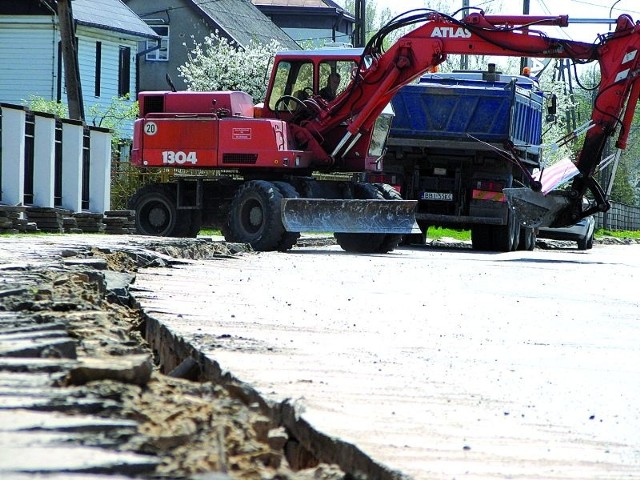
{"points": [[574, 8]]}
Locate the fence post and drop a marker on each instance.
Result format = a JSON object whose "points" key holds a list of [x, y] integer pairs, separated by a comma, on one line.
{"points": [[72, 143], [44, 160], [100, 171], [13, 148]]}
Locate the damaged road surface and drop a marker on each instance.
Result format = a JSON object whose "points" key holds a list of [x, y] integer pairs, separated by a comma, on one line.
{"points": [[423, 363]]}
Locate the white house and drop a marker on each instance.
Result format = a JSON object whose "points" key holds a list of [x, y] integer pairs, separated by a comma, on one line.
{"points": [[31, 64]]}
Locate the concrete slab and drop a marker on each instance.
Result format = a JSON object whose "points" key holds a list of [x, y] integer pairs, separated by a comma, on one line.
{"points": [[438, 365]]}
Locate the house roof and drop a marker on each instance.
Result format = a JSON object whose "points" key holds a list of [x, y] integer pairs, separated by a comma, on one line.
{"points": [[111, 15], [243, 22], [298, 3]]}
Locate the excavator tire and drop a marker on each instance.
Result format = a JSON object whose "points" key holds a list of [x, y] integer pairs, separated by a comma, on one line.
{"points": [[156, 212], [254, 216], [289, 239], [362, 242], [390, 241]]}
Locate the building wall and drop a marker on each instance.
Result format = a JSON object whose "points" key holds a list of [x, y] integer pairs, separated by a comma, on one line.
{"points": [[184, 23], [109, 70], [28, 59], [30, 65], [308, 27]]}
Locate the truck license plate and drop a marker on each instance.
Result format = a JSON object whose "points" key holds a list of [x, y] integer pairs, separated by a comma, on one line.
{"points": [[446, 197]]}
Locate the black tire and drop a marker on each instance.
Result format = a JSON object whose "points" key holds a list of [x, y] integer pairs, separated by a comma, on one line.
{"points": [[585, 243], [156, 212], [362, 242], [527, 238], [289, 239], [505, 236], [254, 216], [390, 241], [481, 237], [196, 223]]}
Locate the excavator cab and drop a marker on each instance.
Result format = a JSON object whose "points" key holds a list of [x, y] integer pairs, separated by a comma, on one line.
{"points": [[302, 75]]}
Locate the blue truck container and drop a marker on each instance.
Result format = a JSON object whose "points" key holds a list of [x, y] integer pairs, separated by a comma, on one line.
{"points": [[456, 141]]}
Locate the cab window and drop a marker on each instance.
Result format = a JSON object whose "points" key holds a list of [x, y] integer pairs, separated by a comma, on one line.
{"points": [[291, 78], [334, 77]]}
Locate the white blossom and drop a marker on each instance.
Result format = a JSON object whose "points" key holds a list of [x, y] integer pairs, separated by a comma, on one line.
{"points": [[220, 64]]}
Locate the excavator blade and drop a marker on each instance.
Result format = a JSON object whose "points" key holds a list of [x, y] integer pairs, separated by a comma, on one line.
{"points": [[535, 209], [349, 216]]}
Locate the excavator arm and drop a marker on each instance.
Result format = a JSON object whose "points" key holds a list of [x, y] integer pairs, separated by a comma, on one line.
{"points": [[381, 74]]}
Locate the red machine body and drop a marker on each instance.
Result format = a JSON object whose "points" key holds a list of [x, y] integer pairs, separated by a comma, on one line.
{"points": [[207, 130]]}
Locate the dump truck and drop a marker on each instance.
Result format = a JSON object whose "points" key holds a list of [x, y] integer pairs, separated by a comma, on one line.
{"points": [[451, 148]]}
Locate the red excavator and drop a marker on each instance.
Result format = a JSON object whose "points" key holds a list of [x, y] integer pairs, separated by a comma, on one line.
{"points": [[302, 161]]}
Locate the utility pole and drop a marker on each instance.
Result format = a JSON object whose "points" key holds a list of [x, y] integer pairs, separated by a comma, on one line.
{"points": [[524, 61], [70, 60], [359, 36], [464, 59]]}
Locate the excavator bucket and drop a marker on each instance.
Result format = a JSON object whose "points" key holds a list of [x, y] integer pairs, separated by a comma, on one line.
{"points": [[349, 216], [535, 209]]}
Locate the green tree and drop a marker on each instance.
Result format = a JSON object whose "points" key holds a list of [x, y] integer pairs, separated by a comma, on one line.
{"points": [[40, 104]]}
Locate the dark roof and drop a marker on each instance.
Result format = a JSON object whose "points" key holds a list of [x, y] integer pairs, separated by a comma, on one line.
{"points": [[111, 15], [325, 7], [243, 22], [299, 3]]}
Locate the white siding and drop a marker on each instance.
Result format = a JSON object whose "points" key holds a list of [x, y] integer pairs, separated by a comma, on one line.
{"points": [[109, 70], [28, 61]]}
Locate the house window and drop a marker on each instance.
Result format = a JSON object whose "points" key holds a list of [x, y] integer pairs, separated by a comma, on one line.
{"points": [[124, 71], [98, 68], [161, 54]]}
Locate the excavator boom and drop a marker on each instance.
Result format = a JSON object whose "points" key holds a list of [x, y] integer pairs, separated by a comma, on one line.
{"points": [[381, 74]]}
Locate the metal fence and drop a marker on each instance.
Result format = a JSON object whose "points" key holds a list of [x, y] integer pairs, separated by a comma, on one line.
{"points": [[619, 217]]}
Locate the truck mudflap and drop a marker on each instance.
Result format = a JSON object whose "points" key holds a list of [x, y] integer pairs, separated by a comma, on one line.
{"points": [[534, 209], [349, 216]]}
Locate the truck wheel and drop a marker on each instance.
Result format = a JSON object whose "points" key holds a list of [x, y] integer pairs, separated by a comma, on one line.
{"points": [[289, 239], [390, 241], [362, 242], [481, 237], [254, 216], [527, 239], [505, 237], [156, 212]]}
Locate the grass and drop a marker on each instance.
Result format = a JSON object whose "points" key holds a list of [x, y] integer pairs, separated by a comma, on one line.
{"points": [[436, 233], [601, 232]]}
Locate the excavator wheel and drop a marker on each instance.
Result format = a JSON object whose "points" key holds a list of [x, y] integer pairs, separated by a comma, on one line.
{"points": [[289, 239], [390, 241], [254, 216], [363, 242], [156, 212]]}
